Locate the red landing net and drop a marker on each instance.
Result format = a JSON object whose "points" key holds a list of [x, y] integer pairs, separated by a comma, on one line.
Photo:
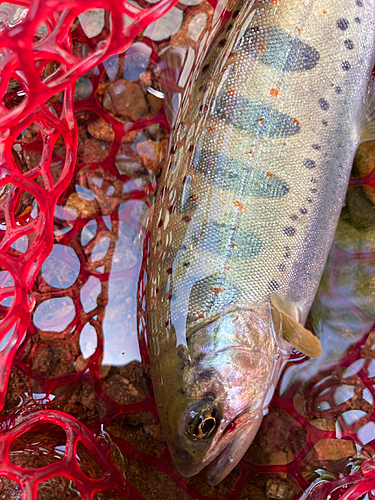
{"points": [[78, 167]]}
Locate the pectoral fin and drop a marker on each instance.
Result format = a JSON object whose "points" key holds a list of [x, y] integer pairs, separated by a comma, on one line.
{"points": [[367, 132], [292, 331]]}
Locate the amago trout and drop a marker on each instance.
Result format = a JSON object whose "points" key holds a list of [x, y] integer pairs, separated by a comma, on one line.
{"points": [[245, 215]]}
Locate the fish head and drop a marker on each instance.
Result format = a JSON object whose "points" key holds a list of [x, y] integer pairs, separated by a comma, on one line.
{"points": [[227, 379]]}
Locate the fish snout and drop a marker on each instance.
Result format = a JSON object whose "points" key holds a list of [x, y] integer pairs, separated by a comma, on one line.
{"points": [[185, 462]]}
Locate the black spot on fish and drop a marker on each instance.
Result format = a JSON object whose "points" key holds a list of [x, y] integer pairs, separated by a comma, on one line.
{"points": [[186, 264], [313, 190], [282, 267], [349, 44], [309, 200], [338, 89], [222, 42], [232, 175], [323, 104], [255, 118], [303, 210], [325, 123], [289, 231], [219, 239], [316, 146], [294, 217], [309, 163], [287, 255], [343, 24], [205, 299], [359, 3], [287, 53], [273, 285], [345, 65], [357, 20]]}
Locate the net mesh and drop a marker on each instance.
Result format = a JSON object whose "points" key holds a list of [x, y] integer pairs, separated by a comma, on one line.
{"points": [[84, 132]]}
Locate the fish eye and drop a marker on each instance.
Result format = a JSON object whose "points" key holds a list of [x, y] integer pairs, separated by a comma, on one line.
{"points": [[203, 422]]}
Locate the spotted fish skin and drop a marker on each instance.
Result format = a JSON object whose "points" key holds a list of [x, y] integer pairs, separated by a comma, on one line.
{"points": [[247, 208]]}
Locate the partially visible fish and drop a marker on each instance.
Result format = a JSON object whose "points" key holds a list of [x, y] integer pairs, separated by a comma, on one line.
{"points": [[245, 215]]}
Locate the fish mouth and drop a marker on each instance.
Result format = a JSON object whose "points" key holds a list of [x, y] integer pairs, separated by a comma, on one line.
{"points": [[232, 452], [187, 470], [227, 460]]}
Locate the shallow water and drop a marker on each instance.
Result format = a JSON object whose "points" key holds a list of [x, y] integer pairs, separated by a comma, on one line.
{"points": [[81, 362]]}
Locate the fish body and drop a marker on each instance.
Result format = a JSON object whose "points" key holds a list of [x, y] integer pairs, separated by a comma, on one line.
{"points": [[245, 215]]}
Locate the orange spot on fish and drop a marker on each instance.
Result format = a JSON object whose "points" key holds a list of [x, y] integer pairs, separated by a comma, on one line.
{"points": [[239, 206], [300, 30], [262, 47], [270, 174], [200, 233], [274, 92], [324, 11], [217, 290], [260, 120], [227, 268], [201, 315], [232, 92], [250, 153], [296, 121], [209, 129], [233, 245]]}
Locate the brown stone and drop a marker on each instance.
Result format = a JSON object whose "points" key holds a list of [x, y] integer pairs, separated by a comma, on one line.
{"points": [[52, 361], [334, 449], [152, 153], [324, 423], [102, 130], [279, 488], [151, 482], [127, 385], [141, 429], [93, 151], [96, 199], [126, 100]]}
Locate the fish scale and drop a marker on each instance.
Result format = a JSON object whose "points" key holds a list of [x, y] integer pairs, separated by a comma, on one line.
{"points": [[246, 213]]}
